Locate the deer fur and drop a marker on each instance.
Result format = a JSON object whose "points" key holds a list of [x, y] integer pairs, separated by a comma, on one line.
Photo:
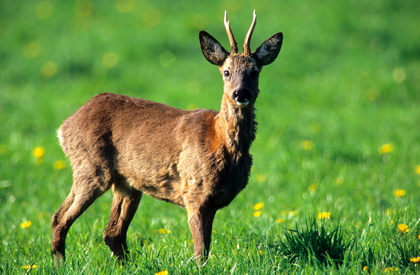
{"points": [[196, 159]]}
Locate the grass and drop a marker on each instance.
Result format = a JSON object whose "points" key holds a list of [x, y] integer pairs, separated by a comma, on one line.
{"points": [[338, 118]]}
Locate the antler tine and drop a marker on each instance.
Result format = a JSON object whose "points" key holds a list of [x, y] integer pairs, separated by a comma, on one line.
{"points": [[233, 44], [247, 50]]}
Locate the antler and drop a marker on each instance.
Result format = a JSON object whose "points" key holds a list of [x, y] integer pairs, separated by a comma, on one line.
{"points": [[247, 50], [233, 44]]}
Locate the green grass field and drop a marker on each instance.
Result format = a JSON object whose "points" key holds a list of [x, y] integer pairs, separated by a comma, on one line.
{"points": [[338, 139]]}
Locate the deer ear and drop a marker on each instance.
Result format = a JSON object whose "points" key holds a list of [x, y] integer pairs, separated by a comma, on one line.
{"points": [[269, 50], [212, 50]]}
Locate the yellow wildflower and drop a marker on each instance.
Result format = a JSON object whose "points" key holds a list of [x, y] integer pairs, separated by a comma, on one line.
{"points": [[109, 59], [365, 268], [164, 231], [415, 260], [261, 177], [258, 206], [313, 187], [386, 148], [391, 269], [32, 49], [3, 149], [31, 266], [418, 169], [307, 145], [38, 152], [44, 9], [399, 75], [257, 214], [49, 69], [26, 224], [324, 215], [59, 164], [164, 272], [339, 180], [124, 6], [280, 220], [399, 193], [403, 228]]}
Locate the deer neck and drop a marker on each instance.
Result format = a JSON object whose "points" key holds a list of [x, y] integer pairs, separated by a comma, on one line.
{"points": [[236, 127]]}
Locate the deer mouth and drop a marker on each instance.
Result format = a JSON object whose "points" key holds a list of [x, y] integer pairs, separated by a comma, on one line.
{"points": [[242, 97]]}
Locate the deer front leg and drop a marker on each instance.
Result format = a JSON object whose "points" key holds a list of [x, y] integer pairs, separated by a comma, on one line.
{"points": [[200, 222]]}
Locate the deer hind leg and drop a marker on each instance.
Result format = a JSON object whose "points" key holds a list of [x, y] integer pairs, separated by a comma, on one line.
{"points": [[124, 206], [201, 222], [73, 206]]}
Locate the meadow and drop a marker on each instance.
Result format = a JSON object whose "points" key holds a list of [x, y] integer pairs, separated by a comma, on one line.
{"points": [[337, 154]]}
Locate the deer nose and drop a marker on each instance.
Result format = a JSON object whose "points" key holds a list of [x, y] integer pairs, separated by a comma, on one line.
{"points": [[242, 97]]}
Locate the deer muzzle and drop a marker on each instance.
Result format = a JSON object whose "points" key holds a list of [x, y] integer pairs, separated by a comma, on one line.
{"points": [[242, 97]]}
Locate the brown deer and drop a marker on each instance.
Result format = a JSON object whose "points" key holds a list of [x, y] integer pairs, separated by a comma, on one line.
{"points": [[196, 159]]}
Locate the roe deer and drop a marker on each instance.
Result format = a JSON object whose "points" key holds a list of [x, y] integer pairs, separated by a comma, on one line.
{"points": [[196, 159]]}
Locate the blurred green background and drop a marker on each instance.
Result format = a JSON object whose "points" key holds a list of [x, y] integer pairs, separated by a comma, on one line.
{"points": [[338, 113]]}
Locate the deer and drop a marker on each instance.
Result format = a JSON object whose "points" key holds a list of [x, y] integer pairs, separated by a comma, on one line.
{"points": [[196, 159]]}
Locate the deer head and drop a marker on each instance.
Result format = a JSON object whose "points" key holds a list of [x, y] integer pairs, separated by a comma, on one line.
{"points": [[240, 71]]}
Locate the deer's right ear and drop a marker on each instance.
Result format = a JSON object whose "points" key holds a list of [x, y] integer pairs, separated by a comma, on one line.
{"points": [[212, 50]]}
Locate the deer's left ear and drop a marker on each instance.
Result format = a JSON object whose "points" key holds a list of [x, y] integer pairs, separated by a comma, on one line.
{"points": [[269, 50]]}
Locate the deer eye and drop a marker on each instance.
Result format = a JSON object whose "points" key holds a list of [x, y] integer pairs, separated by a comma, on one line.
{"points": [[255, 73], [226, 73]]}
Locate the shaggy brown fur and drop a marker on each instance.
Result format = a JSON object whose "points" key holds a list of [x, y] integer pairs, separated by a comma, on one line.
{"points": [[197, 159]]}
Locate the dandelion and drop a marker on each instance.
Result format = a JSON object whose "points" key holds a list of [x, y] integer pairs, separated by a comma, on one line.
{"points": [[49, 69], [365, 268], [261, 178], [44, 9], [59, 164], [32, 49], [163, 272], [260, 252], [399, 75], [3, 149], [152, 18], [83, 8], [399, 193], [372, 94], [324, 215], [124, 6], [257, 214], [38, 153], [415, 260], [307, 145], [403, 228], [29, 267], [312, 187], [386, 148], [280, 220], [26, 224], [391, 269], [258, 206], [418, 169], [109, 59], [164, 231], [339, 180], [418, 237]]}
